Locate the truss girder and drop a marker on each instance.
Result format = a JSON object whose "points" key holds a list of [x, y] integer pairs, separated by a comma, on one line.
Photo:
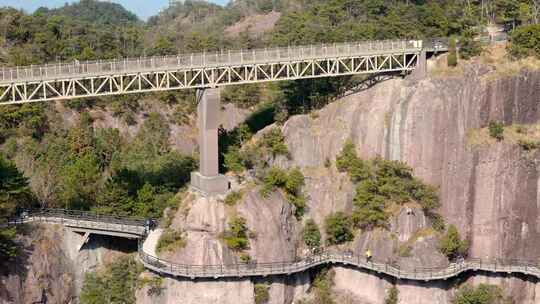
{"points": [[212, 76]]}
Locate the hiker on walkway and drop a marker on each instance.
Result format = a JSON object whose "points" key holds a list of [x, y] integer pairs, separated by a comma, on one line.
{"points": [[368, 255]]}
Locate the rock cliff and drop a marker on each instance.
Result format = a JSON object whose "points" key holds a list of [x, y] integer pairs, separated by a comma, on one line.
{"points": [[489, 192]]}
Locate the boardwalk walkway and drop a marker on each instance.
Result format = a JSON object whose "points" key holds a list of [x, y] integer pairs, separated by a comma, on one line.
{"points": [[138, 228]]}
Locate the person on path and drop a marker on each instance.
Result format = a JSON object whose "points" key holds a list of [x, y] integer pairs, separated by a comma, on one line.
{"points": [[368, 255]]}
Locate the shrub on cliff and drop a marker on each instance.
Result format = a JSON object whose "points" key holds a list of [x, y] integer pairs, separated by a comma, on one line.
{"points": [[291, 181], [393, 296], [528, 144], [322, 287], [379, 182], [233, 197], [525, 41], [236, 236], [481, 294], [338, 228], [348, 161], [496, 130], [261, 293], [274, 142], [311, 235], [169, 240], [452, 245]]}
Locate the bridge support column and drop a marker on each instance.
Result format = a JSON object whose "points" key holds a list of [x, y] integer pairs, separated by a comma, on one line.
{"points": [[420, 72], [208, 181]]}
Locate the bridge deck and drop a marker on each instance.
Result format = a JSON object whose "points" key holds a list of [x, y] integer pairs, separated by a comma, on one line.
{"points": [[88, 222], [203, 70], [203, 60]]}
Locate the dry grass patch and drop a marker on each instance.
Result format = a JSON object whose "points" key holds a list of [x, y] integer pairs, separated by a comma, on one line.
{"points": [[405, 249], [526, 136], [498, 57]]}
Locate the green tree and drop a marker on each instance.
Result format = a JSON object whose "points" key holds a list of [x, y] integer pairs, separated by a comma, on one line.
{"points": [[469, 47], [274, 141], [525, 41], [338, 228], [14, 193], [79, 182], [244, 96], [452, 245], [163, 46]]}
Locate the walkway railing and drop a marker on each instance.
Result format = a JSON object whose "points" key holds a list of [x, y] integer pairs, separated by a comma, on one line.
{"points": [[285, 268], [140, 227]]}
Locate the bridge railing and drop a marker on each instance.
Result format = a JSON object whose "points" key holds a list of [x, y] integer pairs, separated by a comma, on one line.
{"points": [[200, 60], [80, 216]]}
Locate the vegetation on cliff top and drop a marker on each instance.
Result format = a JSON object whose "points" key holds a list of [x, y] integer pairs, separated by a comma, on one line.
{"points": [[525, 41]]}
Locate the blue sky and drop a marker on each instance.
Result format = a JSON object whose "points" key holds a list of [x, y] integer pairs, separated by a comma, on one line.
{"points": [[143, 8]]}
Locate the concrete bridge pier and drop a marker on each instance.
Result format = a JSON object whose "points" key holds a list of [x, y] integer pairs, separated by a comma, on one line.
{"points": [[207, 180], [420, 72]]}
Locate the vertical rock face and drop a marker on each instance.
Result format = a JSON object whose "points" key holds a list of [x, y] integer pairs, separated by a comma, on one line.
{"points": [[490, 193], [50, 267], [200, 292]]}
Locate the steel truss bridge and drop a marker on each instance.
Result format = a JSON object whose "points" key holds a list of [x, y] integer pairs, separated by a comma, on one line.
{"points": [[152, 74], [138, 228]]}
